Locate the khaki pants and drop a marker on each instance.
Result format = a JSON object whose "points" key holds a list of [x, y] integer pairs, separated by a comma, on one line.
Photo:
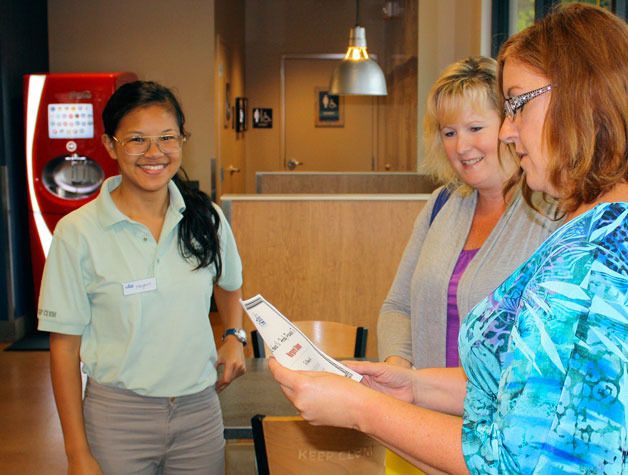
{"points": [[133, 434]]}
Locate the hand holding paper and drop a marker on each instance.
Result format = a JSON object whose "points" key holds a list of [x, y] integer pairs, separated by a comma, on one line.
{"points": [[287, 343]]}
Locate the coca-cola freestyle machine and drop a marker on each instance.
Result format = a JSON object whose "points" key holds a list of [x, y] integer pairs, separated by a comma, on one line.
{"points": [[65, 160]]}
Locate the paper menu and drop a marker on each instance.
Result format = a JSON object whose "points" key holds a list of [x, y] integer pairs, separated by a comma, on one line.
{"points": [[288, 344]]}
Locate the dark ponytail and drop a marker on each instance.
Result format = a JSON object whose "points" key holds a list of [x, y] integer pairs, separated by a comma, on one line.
{"points": [[198, 230]]}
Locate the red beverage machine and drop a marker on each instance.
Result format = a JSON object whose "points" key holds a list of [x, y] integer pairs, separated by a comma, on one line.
{"points": [[66, 161]]}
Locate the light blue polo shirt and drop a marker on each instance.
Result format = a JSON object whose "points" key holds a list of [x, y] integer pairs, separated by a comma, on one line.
{"points": [[152, 337]]}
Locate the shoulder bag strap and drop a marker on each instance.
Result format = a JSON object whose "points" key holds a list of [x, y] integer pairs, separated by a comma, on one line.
{"points": [[440, 201]]}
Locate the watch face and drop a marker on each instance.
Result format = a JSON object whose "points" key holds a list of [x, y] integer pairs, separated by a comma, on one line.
{"points": [[239, 333]]}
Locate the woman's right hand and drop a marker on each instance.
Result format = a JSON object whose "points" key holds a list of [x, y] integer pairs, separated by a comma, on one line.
{"points": [[84, 464], [389, 379]]}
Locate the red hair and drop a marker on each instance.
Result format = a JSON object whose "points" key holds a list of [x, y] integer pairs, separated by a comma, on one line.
{"points": [[583, 51]]}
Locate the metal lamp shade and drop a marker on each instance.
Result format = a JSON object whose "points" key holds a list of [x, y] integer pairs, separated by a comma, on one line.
{"points": [[363, 77], [357, 74]]}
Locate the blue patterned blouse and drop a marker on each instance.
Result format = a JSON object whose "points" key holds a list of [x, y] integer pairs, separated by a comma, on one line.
{"points": [[546, 356]]}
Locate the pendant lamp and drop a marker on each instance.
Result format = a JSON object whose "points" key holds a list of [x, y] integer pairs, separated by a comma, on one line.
{"points": [[357, 74]]}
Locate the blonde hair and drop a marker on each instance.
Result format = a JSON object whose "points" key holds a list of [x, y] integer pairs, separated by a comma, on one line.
{"points": [[583, 52], [471, 82]]}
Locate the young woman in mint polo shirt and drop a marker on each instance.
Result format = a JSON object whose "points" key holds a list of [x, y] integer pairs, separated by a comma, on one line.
{"points": [[126, 293]]}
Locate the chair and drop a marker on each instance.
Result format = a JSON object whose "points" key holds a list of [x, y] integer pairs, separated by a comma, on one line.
{"points": [[338, 340], [290, 445]]}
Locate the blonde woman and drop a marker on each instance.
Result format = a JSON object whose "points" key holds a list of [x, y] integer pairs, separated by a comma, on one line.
{"points": [[461, 252]]}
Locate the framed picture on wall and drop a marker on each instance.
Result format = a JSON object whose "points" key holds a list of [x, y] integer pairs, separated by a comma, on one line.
{"points": [[240, 113], [329, 111]]}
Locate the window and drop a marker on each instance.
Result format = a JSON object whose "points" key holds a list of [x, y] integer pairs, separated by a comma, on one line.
{"points": [[511, 16], [521, 15]]}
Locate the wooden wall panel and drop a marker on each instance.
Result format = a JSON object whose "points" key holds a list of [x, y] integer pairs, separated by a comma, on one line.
{"points": [[323, 259]]}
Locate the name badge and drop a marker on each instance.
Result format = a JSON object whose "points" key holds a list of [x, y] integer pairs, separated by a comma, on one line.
{"points": [[139, 286]]}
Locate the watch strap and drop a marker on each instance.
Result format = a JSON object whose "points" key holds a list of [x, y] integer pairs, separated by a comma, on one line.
{"points": [[239, 333]]}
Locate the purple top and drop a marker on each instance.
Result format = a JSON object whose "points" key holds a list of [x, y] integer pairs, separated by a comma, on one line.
{"points": [[453, 318]]}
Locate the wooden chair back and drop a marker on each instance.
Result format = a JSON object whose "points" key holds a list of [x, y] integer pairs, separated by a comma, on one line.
{"points": [[338, 340], [290, 445]]}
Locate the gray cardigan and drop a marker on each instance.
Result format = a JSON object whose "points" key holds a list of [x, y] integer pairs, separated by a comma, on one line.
{"points": [[413, 319]]}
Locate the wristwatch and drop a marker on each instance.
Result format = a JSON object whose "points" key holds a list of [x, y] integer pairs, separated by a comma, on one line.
{"points": [[239, 333]]}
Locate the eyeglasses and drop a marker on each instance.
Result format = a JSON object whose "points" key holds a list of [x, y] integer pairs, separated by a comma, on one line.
{"points": [[140, 144], [515, 104]]}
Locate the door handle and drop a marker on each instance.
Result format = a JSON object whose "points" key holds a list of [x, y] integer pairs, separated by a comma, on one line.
{"points": [[292, 164], [231, 169]]}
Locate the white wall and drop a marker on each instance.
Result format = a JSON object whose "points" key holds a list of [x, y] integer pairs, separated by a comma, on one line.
{"points": [[171, 42], [174, 43], [449, 30]]}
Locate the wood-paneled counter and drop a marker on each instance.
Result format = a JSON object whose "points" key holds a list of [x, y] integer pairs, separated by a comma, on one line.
{"points": [[323, 257], [343, 182]]}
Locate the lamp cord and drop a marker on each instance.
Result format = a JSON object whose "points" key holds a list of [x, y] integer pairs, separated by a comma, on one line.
{"points": [[357, 12]]}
